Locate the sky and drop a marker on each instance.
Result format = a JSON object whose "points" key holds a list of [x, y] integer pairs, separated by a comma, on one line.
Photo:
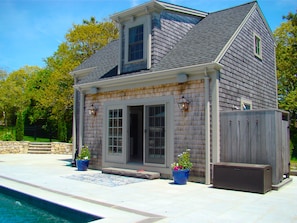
{"points": [[32, 30]]}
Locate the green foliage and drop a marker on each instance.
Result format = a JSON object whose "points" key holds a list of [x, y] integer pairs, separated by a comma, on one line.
{"points": [[62, 131], [87, 38], [286, 62], [47, 94], [84, 153], [183, 161], [13, 96], [293, 144], [7, 136], [19, 131]]}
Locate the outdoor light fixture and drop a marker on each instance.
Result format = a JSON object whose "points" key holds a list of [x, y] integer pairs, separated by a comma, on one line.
{"points": [[183, 104], [92, 110]]}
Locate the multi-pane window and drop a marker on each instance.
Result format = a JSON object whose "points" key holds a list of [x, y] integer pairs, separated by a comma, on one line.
{"points": [[115, 132], [257, 46], [246, 104], [135, 43], [156, 134]]}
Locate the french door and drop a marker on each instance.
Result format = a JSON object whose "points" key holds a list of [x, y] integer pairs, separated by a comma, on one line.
{"points": [[155, 134], [136, 133]]}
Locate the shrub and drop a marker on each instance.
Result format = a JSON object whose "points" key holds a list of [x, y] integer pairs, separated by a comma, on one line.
{"points": [[7, 136]]}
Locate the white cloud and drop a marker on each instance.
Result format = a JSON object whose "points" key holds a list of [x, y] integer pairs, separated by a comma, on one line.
{"points": [[134, 3]]}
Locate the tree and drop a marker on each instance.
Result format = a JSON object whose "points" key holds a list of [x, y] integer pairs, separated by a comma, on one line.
{"points": [[87, 38], [12, 92], [52, 89], [46, 95], [286, 58], [19, 131]]}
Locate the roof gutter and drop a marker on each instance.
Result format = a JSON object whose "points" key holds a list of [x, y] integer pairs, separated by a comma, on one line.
{"points": [[82, 72], [150, 78]]}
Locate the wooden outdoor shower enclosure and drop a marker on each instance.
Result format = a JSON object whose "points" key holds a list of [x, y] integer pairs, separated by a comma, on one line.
{"points": [[257, 137]]}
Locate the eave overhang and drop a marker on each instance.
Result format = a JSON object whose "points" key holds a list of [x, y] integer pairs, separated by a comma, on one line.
{"points": [[82, 72], [123, 82], [153, 6]]}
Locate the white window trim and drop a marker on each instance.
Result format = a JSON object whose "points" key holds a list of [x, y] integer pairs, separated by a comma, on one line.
{"points": [[137, 22], [244, 101], [254, 44]]}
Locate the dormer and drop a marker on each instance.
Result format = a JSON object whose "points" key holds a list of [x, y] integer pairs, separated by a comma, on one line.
{"points": [[149, 31]]}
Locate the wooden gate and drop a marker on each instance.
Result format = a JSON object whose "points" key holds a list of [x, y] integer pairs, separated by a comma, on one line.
{"points": [[257, 137]]}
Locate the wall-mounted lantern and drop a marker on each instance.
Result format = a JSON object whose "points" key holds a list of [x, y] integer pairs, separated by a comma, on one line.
{"points": [[183, 104], [92, 110]]}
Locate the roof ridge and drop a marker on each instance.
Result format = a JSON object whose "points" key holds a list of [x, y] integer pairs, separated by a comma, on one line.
{"points": [[185, 7], [235, 6]]}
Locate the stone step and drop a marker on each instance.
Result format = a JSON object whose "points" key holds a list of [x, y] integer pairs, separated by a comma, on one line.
{"points": [[39, 148], [132, 173]]}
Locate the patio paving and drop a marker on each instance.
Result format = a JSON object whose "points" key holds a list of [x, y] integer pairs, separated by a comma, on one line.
{"points": [[119, 199]]}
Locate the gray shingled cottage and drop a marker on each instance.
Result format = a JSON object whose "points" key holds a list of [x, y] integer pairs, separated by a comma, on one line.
{"points": [[160, 87]]}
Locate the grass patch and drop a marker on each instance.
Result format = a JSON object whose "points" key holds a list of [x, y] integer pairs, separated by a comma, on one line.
{"points": [[293, 165], [31, 139], [8, 134]]}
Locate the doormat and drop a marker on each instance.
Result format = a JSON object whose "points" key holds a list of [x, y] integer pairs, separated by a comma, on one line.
{"points": [[108, 180]]}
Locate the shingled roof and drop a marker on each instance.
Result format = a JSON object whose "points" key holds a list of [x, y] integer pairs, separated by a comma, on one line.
{"points": [[207, 39], [203, 44]]}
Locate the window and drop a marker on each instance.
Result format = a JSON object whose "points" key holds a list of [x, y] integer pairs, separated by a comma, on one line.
{"points": [[115, 132], [135, 43], [246, 104], [257, 46]]}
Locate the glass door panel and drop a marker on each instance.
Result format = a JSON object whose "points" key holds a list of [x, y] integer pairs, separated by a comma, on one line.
{"points": [[155, 134], [115, 135]]}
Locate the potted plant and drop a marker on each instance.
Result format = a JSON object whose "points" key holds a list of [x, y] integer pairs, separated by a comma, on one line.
{"points": [[181, 168], [82, 161]]}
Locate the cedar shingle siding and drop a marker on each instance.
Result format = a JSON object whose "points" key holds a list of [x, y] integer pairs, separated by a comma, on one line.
{"points": [[245, 75], [216, 47]]}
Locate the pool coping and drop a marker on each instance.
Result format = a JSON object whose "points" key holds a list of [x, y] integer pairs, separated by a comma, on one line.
{"points": [[108, 212]]}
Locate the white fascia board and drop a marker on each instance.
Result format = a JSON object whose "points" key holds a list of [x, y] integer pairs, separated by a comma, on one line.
{"points": [[82, 72], [135, 11], [235, 34], [184, 10], [149, 79], [153, 6], [265, 22]]}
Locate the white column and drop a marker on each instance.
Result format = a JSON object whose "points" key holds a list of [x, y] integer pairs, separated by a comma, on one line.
{"points": [[74, 125], [81, 119], [207, 130], [215, 114]]}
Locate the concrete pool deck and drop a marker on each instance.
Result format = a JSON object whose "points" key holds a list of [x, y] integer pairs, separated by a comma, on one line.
{"points": [[46, 177]]}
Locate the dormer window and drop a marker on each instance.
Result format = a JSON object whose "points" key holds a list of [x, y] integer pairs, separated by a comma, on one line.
{"points": [[135, 43], [135, 48]]}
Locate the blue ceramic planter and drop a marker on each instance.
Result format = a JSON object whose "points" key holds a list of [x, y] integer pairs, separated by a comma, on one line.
{"points": [[82, 165], [180, 176]]}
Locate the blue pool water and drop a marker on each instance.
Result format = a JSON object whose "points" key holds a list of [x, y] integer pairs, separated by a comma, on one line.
{"points": [[17, 207]]}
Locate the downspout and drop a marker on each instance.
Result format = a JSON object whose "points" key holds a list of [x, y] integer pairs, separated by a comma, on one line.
{"points": [[149, 41], [275, 72], [207, 128]]}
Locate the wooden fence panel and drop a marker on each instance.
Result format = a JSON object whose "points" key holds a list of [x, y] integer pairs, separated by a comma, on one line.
{"points": [[256, 137]]}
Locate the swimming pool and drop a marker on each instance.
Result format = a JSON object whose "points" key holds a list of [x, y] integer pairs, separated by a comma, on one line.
{"points": [[18, 208]]}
